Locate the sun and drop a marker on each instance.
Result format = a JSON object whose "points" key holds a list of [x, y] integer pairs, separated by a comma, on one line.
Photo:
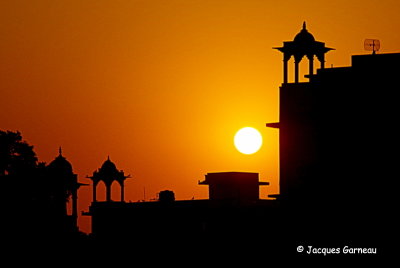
{"points": [[248, 140]]}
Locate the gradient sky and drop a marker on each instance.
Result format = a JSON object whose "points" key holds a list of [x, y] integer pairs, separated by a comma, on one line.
{"points": [[161, 86]]}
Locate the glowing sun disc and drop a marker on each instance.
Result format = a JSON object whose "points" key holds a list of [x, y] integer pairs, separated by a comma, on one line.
{"points": [[248, 140]]}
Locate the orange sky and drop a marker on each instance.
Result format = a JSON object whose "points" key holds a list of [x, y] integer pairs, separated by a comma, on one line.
{"points": [[162, 86]]}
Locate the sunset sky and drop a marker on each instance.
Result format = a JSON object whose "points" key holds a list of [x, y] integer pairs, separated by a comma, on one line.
{"points": [[161, 86]]}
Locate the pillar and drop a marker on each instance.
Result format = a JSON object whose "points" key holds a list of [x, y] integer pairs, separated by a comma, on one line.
{"points": [[296, 71], [122, 191], [108, 192], [94, 191], [321, 59], [75, 206], [311, 65], [285, 71]]}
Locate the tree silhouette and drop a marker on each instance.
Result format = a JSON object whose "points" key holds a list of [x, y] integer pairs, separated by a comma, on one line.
{"points": [[19, 171], [33, 195], [16, 156]]}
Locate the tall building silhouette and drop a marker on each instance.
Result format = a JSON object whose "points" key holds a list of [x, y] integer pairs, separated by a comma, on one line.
{"points": [[63, 186], [336, 130], [337, 140]]}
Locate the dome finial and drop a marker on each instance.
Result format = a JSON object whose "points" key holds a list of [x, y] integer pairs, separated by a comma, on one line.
{"points": [[108, 157], [60, 151], [304, 25]]}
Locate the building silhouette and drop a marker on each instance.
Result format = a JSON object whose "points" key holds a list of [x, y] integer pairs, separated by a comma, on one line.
{"points": [[336, 131], [40, 213], [63, 186], [232, 196], [241, 188], [337, 141], [336, 138]]}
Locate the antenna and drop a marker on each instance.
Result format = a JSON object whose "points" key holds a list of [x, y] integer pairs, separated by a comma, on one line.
{"points": [[372, 45]]}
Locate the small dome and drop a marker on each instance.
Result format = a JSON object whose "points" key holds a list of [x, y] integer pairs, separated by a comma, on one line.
{"points": [[304, 37], [108, 167], [61, 165]]}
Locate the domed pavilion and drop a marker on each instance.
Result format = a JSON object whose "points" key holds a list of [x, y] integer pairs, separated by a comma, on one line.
{"points": [[303, 44], [108, 173], [63, 185]]}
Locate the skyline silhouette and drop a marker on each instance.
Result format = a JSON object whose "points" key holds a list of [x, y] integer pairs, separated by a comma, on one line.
{"points": [[143, 99], [334, 172], [149, 82]]}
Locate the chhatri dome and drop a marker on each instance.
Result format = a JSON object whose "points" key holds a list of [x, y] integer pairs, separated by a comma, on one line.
{"points": [[304, 36], [61, 165], [303, 45], [108, 173], [108, 168]]}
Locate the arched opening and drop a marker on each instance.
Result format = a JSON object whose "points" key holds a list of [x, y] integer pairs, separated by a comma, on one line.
{"points": [[115, 191], [101, 191]]}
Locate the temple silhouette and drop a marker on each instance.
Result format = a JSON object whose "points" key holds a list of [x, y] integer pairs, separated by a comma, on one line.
{"points": [[337, 138]]}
